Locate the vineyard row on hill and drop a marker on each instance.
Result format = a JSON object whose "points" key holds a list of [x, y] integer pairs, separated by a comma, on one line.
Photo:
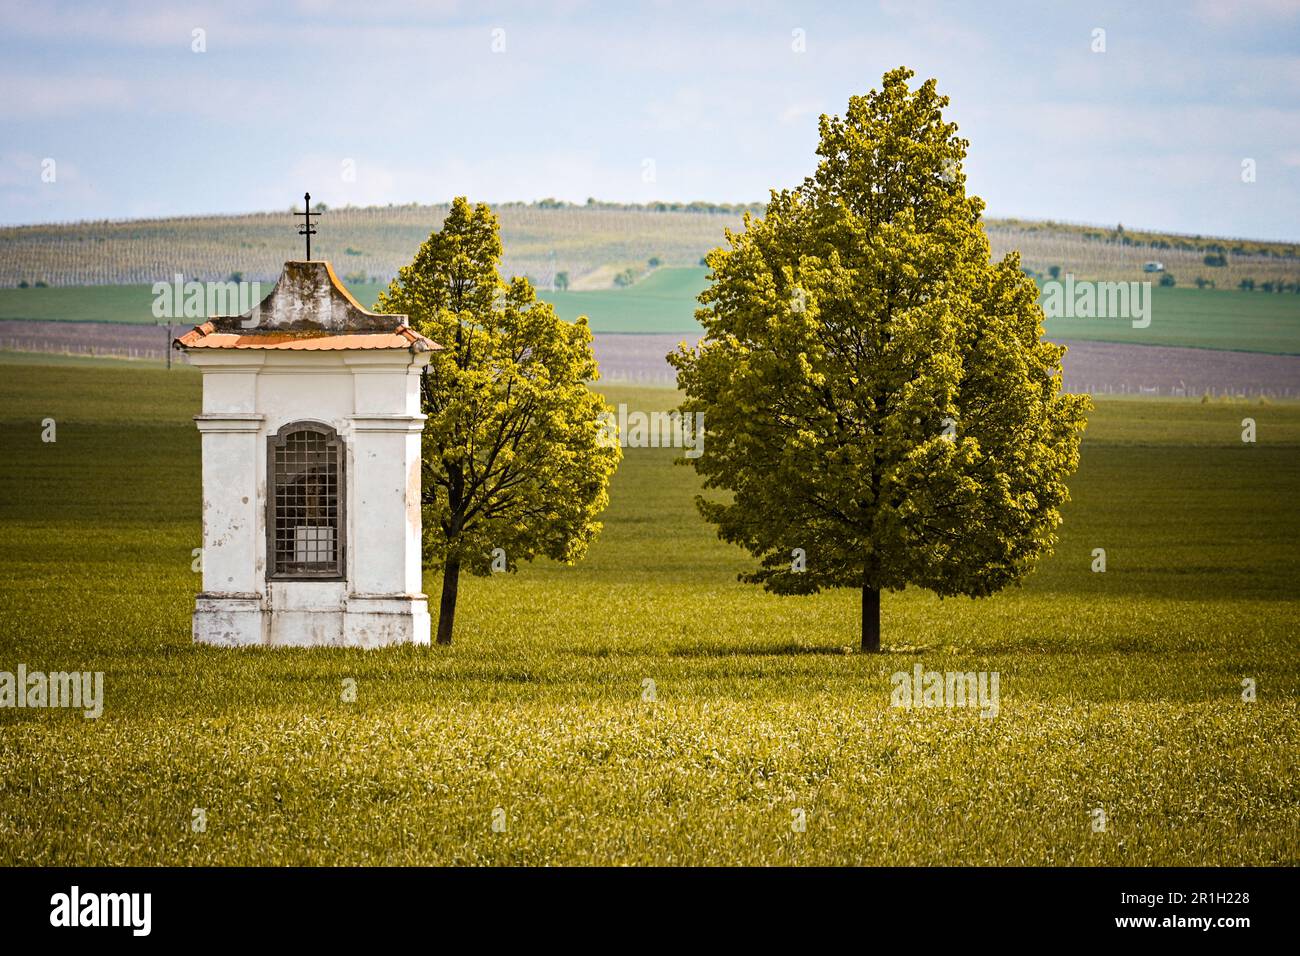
{"points": [[544, 239]]}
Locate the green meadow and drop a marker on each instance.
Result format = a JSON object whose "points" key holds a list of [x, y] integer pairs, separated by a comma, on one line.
{"points": [[642, 706], [664, 301], [1200, 318]]}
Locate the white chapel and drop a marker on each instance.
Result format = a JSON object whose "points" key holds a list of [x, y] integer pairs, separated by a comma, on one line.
{"points": [[311, 431]]}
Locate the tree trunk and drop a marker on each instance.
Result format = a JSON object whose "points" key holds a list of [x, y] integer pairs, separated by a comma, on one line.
{"points": [[870, 618], [447, 608]]}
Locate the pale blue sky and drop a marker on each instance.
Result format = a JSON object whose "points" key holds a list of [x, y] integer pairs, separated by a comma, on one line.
{"points": [[1151, 133]]}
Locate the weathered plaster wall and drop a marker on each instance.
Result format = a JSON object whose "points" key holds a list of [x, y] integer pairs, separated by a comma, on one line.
{"points": [[371, 397]]}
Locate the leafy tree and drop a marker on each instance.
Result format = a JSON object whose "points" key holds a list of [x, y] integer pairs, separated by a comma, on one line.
{"points": [[625, 278], [1167, 279], [515, 456], [561, 280], [653, 262], [874, 391]]}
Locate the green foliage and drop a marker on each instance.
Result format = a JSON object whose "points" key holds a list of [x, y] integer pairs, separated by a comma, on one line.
{"points": [[1167, 280], [514, 457], [561, 281], [874, 391], [625, 278]]}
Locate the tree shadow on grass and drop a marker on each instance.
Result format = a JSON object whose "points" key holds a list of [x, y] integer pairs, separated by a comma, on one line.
{"points": [[787, 649]]}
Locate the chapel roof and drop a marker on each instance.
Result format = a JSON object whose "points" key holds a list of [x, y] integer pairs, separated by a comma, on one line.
{"points": [[308, 310]]}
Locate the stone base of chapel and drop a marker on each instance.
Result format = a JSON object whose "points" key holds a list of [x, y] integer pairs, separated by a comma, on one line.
{"points": [[366, 620]]}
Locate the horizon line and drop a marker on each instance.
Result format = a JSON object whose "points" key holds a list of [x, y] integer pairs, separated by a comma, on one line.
{"points": [[598, 204]]}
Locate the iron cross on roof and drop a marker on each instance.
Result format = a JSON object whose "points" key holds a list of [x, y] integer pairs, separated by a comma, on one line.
{"points": [[307, 228]]}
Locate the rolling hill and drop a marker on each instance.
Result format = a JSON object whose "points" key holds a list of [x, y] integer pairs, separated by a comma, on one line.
{"points": [[589, 243]]}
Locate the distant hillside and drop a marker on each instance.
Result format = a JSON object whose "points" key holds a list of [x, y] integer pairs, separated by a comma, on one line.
{"points": [[372, 242], [590, 243], [664, 302]]}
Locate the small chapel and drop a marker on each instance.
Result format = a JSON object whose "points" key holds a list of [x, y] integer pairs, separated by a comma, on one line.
{"points": [[311, 431]]}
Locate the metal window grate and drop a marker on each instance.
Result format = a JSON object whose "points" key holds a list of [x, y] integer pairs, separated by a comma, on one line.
{"points": [[306, 522]]}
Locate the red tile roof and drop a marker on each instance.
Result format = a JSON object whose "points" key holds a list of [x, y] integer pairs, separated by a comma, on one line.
{"points": [[205, 336]]}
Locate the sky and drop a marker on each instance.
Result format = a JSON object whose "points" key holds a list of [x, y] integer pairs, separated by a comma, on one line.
{"points": [[1187, 119]]}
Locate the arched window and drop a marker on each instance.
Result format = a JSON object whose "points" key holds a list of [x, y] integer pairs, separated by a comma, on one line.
{"points": [[304, 501]]}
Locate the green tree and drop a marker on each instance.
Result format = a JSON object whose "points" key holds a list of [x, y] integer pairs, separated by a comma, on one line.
{"points": [[515, 454], [561, 281], [874, 391]]}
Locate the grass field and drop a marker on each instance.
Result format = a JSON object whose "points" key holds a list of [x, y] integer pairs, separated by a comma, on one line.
{"points": [[1120, 691], [664, 301], [1200, 318]]}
